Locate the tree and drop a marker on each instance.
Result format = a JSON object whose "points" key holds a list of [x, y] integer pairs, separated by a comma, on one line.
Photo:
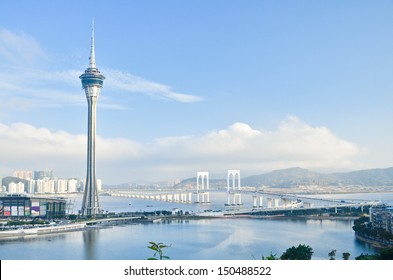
{"points": [[367, 257], [387, 254], [332, 254], [270, 257], [301, 252], [158, 249], [346, 256]]}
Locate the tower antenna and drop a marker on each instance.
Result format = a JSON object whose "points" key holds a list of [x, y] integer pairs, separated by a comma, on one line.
{"points": [[92, 57]]}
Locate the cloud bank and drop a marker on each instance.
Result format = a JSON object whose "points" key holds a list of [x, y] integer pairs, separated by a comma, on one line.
{"points": [[238, 146]]}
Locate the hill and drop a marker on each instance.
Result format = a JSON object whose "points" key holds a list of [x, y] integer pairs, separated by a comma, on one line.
{"points": [[292, 177], [7, 180]]}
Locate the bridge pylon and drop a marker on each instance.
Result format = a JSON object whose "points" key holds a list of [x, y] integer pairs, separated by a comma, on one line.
{"points": [[234, 197], [203, 194]]}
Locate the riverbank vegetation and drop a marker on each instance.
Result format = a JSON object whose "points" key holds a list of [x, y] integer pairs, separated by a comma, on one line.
{"points": [[300, 252], [367, 233]]}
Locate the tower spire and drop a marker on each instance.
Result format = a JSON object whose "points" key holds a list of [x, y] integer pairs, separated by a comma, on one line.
{"points": [[92, 57]]}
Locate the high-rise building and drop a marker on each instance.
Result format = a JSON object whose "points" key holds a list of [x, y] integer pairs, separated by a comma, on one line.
{"points": [[16, 188], [27, 175], [92, 81], [72, 185], [42, 174], [30, 186], [381, 216], [60, 186]]}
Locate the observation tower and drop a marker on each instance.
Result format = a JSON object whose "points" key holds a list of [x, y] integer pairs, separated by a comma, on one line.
{"points": [[92, 81]]}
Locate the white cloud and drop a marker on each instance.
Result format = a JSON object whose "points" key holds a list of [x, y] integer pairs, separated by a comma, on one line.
{"points": [[19, 48], [239, 146], [129, 83]]}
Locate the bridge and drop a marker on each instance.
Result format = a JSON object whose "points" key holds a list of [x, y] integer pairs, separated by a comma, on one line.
{"points": [[262, 202], [282, 210], [176, 197]]}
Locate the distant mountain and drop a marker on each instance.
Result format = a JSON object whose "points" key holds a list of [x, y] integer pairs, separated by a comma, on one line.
{"points": [[292, 177], [298, 176], [369, 177], [7, 180], [288, 178]]}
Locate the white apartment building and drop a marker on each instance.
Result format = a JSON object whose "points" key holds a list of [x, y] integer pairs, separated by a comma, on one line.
{"points": [[99, 185], [72, 185], [60, 186], [16, 188], [45, 186]]}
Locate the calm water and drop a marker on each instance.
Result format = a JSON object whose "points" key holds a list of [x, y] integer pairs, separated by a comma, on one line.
{"points": [[194, 239]]}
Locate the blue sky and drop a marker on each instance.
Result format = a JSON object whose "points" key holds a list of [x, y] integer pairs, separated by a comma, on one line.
{"points": [[197, 86]]}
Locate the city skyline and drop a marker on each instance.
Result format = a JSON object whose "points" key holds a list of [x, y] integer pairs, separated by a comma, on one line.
{"points": [[254, 86]]}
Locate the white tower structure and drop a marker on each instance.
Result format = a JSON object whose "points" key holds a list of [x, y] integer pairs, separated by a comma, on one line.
{"points": [[92, 81], [203, 195], [234, 191]]}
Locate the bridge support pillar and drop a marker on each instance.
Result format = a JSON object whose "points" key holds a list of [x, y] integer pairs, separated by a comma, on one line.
{"points": [[234, 199], [269, 202], [257, 201], [276, 202]]}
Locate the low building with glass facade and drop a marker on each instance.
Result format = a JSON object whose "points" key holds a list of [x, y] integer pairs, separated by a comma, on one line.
{"points": [[19, 206]]}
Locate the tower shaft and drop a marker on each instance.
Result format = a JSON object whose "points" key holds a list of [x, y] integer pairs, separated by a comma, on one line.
{"points": [[90, 204]]}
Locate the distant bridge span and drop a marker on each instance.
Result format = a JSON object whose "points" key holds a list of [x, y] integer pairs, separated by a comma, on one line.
{"points": [[262, 202]]}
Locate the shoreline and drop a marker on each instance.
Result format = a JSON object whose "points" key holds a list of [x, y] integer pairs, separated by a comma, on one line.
{"points": [[22, 232], [375, 243], [86, 225]]}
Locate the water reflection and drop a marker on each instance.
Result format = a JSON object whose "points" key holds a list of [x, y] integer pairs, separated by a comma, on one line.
{"points": [[90, 238], [192, 239], [33, 238]]}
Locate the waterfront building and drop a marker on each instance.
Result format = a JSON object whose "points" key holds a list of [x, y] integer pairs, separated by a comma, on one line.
{"points": [[72, 185], [20, 206], [382, 217], [92, 81]]}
